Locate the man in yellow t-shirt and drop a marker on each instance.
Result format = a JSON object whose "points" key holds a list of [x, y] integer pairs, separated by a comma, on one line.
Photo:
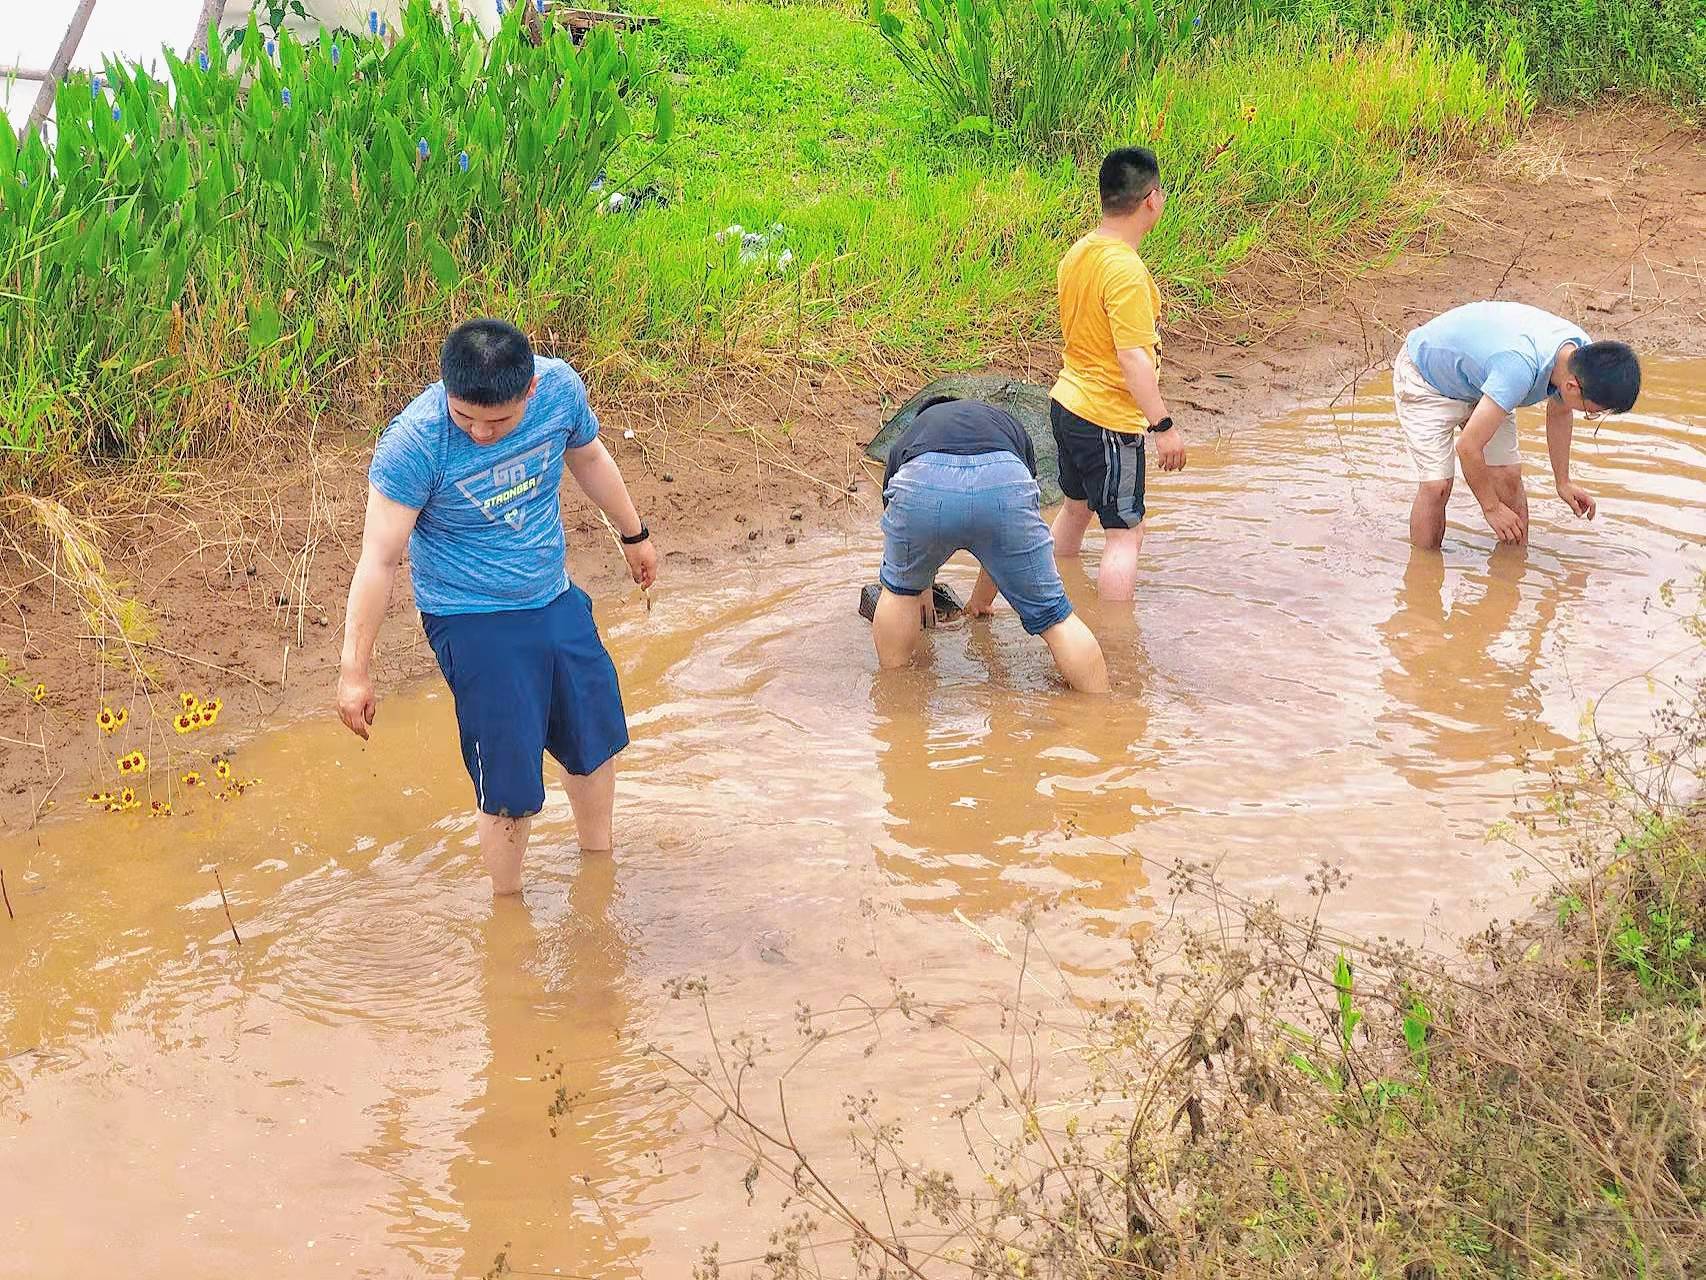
{"points": [[1107, 398]]}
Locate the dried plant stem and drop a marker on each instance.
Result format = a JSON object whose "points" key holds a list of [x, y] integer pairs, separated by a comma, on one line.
{"points": [[226, 903]]}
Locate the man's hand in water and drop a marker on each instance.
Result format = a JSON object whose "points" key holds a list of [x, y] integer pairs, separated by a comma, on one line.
{"points": [[642, 560], [981, 603], [1506, 523], [1580, 500], [356, 703], [1170, 449]]}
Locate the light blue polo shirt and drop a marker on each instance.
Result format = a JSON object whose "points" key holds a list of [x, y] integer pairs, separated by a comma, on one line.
{"points": [[1505, 350], [490, 532]]}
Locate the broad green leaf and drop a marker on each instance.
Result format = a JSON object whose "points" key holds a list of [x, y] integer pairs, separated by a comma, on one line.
{"points": [[265, 325], [443, 264]]}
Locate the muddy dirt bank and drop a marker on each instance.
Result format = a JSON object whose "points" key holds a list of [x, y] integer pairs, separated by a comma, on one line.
{"points": [[243, 567]]}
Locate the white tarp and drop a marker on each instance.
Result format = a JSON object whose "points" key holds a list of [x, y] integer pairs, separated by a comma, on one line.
{"points": [[30, 31], [351, 14]]}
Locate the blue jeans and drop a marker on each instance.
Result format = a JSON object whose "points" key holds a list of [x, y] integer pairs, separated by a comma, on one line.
{"points": [[940, 503]]}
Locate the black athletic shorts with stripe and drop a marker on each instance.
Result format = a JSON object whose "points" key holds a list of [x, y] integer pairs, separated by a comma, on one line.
{"points": [[1101, 467]]}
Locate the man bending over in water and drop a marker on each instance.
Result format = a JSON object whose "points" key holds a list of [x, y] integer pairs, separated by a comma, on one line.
{"points": [[1468, 371], [467, 478], [963, 477]]}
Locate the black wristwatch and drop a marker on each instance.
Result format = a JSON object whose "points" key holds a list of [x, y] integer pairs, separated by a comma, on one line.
{"points": [[1166, 424], [638, 538]]}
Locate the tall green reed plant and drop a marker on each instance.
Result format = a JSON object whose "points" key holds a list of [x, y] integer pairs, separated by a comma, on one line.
{"points": [[301, 195], [1043, 74]]}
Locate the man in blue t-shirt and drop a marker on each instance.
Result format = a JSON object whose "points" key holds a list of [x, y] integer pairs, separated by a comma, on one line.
{"points": [[467, 478], [1468, 371]]}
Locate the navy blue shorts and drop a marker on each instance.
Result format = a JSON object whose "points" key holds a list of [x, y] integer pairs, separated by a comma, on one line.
{"points": [[528, 681], [1101, 467]]}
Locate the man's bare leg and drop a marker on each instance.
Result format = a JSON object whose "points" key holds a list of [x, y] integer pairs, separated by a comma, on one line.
{"points": [[502, 842], [1507, 483], [895, 628], [1077, 655], [592, 797], [1069, 525], [1427, 514], [1117, 577]]}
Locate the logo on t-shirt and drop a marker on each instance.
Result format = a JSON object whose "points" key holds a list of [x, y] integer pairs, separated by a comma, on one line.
{"points": [[500, 492]]}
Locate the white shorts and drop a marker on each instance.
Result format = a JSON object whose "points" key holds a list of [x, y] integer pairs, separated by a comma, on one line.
{"points": [[1431, 423]]}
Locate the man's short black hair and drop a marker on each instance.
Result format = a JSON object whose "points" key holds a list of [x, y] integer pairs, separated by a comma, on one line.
{"points": [[1128, 176], [486, 362], [1609, 373]]}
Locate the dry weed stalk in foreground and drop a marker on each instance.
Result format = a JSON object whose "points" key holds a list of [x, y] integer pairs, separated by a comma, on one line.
{"points": [[1271, 1100], [73, 560]]}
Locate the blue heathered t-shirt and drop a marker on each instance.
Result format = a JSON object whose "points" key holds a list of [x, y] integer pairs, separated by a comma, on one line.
{"points": [[490, 532], [1500, 349]]}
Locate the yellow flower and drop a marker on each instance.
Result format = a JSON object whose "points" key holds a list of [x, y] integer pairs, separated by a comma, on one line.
{"points": [[39, 692], [122, 718], [107, 720], [189, 701], [209, 716], [127, 798], [1249, 113], [184, 722], [135, 762], [99, 797], [222, 769], [215, 705], [192, 779], [160, 809]]}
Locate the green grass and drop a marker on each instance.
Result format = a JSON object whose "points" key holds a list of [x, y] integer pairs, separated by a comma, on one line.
{"points": [[1576, 49], [935, 250], [239, 304]]}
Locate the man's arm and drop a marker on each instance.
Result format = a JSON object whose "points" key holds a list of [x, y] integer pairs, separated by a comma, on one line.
{"points": [[981, 603], [383, 541], [596, 473], [1560, 426], [1471, 455], [1145, 388]]}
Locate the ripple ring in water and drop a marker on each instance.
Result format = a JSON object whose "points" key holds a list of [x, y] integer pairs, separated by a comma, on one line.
{"points": [[358, 959]]}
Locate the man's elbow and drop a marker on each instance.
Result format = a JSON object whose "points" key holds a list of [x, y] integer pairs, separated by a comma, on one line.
{"points": [[380, 559]]}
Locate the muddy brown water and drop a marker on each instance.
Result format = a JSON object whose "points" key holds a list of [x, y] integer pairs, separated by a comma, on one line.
{"points": [[364, 1086]]}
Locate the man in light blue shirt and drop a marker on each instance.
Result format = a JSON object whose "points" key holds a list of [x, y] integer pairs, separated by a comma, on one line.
{"points": [[467, 478], [1468, 371]]}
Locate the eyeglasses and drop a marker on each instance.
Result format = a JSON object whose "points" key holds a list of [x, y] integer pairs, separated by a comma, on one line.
{"points": [[1596, 415]]}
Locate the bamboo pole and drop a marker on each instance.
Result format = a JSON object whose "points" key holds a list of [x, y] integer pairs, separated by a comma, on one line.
{"points": [[212, 14], [61, 61]]}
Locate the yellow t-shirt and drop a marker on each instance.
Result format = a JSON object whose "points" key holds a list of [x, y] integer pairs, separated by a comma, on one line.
{"points": [[1108, 302]]}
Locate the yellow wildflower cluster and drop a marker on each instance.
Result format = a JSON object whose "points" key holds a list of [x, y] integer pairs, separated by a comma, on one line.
{"points": [[196, 714], [234, 786], [112, 721], [116, 801], [133, 763]]}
